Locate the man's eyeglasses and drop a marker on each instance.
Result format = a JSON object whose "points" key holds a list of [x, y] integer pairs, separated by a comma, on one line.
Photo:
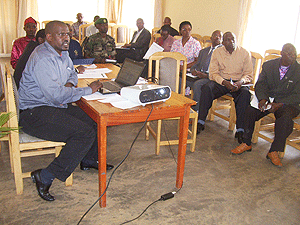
{"points": [[63, 35]]}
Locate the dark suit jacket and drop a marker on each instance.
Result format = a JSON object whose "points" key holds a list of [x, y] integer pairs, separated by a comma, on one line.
{"points": [[285, 91], [142, 43], [23, 60], [201, 64]]}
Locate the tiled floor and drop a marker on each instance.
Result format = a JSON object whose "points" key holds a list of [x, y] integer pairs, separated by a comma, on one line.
{"points": [[218, 188]]}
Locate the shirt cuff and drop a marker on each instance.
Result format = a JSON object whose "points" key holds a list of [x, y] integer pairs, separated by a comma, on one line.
{"points": [[87, 90]]}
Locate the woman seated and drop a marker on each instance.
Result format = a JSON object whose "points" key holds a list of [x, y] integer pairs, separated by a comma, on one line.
{"points": [[187, 45]]}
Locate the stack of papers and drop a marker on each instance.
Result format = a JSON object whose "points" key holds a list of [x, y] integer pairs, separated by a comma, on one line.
{"points": [[94, 73], [115, 99]]}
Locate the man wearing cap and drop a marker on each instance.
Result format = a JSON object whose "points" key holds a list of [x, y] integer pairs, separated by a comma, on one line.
{"points": [[20, 44], [100, 46]]}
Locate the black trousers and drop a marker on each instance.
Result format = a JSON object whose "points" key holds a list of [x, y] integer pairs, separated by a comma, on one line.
{"points": [[283, 125], [212, 90], [72, 126]]}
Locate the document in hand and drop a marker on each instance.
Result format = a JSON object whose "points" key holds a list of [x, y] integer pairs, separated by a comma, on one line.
{"points": [[153, 49]]}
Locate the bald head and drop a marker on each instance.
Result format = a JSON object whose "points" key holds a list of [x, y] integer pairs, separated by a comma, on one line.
{"points": [[289, 54], [140, 23], [51, 26], [167, 21], [229, 41], [57, 35]]}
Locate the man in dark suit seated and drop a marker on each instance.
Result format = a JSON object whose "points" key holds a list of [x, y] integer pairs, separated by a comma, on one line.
{"points": [[139, 44], [167, 22], [279, 79], [200, 69]]}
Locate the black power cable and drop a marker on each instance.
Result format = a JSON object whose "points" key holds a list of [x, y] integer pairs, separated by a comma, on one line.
{"points": [[117, 167]]}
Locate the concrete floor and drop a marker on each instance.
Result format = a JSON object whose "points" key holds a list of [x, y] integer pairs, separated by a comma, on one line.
{"points": [[218, 188]]}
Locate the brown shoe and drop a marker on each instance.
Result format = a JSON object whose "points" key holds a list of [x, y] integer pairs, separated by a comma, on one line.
{"points": [[241, 148], [275, 160]]}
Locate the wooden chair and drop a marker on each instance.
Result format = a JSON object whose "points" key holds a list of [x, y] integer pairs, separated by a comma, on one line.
{"points": [[198, 37], [226, 101], [23, 145], [3, 94], [177, 37], [271, 54], [155, 37], [120, 34], [167, 71], [154, 32], [298, 58], [82, 32]]}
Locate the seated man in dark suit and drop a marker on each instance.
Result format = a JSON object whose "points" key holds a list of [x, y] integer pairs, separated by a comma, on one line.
{"points": [[138, 45], [40, 38], [167, 22], [200, 69], [279, 79]]}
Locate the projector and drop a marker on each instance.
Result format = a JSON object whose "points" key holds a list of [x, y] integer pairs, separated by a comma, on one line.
{"points": [[146, 93]]}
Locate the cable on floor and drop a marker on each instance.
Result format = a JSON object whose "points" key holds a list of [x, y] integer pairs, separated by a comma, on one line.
{"points": [[117, 167]]}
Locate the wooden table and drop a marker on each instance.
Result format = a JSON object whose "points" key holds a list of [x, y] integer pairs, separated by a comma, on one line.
{"points": [[105, 114]]}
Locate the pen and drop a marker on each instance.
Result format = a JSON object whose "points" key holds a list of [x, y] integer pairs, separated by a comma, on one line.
{"points": [[231, 81]]}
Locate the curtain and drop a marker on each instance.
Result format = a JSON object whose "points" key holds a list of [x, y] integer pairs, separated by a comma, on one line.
{"points": [[244, 14], [26, 8], [113, 10], [158, 18], [13, 14]]}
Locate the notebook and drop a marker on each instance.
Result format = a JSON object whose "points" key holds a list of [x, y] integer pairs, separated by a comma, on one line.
{"points": [[87, 61], [127, 76]]}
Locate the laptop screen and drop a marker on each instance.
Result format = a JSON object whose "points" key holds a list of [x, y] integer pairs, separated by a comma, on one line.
{"points": [[130, 72]]}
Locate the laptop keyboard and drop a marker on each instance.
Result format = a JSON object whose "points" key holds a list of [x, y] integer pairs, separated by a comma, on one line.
{"points": [[111, 86]]}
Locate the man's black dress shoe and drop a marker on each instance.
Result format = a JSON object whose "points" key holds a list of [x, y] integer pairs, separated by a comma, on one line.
{"points": [[42, 189], [239, 136], [200, 127], [94, 166]]}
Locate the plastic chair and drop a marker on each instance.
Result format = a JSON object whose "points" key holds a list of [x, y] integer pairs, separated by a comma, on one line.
{"points": [[167, 71], [23, 145], [227, 101]]}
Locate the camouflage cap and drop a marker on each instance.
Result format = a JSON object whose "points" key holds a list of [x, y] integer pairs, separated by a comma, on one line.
{"points": [[101, 21]]}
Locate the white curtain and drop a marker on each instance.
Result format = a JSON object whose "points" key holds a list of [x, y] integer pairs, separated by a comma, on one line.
{"points": [[113, 10], [158, 17], [13, 14], [246, 7]]}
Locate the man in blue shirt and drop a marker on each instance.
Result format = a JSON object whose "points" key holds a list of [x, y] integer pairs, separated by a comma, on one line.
{"points": [[47, 88]]}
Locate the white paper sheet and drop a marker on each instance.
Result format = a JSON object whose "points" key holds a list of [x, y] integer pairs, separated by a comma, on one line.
{"points": [[153, 48], [95, 96], [125, 104], [94, 73], [92, 66]]}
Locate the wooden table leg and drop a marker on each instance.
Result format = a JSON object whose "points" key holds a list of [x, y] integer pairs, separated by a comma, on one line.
{"points": [[102, 127], [184, 125]]}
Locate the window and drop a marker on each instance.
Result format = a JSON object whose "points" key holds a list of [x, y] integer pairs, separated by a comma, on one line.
{"points": [[67, 10], [134, 9], [271, 24]]}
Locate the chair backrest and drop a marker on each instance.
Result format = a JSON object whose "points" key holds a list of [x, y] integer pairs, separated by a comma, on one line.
{"points": [[11, 103], [177, 37], [298, 58], [167, 69], [257, 62], [271, 54], [120, 33], [82, 32], [2, 85], [199, 38]]}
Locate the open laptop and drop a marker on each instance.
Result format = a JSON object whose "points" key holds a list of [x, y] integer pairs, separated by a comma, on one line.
{"points": [[127, 76]]}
